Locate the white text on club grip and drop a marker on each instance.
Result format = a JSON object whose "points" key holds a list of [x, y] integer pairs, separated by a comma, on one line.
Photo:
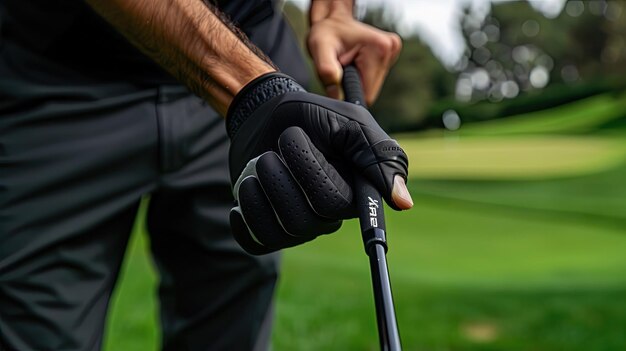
{"points": [[373, 205]]}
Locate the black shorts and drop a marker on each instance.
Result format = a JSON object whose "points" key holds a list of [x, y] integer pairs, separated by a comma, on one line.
{"points": [[71, 177]]}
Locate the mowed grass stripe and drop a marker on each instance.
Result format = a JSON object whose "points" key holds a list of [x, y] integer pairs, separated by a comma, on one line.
{"points": [[598, 198], [518, 158]]}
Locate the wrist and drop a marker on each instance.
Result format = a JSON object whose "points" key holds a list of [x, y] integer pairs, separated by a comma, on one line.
{"points": [[254, 94], [323, 9], [229, 81]]}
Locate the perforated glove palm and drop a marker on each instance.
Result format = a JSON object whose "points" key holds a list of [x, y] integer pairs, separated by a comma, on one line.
{"points": [[292, 157]]}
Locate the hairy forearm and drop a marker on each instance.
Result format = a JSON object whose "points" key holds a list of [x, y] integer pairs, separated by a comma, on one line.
{"points": [[190, 40]]}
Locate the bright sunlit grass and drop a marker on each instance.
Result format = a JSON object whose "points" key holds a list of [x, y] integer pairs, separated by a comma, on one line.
{"points": [[512, 157]]}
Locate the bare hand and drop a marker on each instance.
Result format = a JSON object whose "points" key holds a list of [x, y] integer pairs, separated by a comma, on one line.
{"points": [[337, 39]]}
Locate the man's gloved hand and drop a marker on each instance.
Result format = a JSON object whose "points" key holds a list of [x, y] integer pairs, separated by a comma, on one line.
{"points": [[292, 158]]}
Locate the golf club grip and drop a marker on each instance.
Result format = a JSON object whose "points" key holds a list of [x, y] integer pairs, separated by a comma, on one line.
{"points": [[372, 220], [371, 215], [352, 87], [368, 199]]}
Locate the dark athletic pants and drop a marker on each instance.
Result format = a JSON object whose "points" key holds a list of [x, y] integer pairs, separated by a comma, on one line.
{"points": [[71, 177]]}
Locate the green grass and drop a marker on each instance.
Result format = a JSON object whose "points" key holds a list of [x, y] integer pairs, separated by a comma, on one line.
{"points": [[132, 320], [515, 243], [519, 157], [454, 265]]}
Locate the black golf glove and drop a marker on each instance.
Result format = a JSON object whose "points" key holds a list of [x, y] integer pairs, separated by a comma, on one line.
{"points": [[292, 157]]}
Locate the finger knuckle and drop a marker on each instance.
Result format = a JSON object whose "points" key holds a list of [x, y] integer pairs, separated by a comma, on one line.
{"points": [[326, 72], [313, 41], [384, 43], [396, 42]]}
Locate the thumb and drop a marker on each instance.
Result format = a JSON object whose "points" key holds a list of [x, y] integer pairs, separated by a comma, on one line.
{"points": [[400, 194]]}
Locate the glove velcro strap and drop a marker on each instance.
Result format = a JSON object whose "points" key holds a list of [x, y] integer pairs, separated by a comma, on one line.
{"points": [[255, 94]]}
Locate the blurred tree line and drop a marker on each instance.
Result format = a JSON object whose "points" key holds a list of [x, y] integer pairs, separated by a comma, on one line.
{"points": [[516, 60]]}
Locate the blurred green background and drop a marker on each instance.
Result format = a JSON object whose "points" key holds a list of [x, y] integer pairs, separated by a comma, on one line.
{"points": [[518, 172]]}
